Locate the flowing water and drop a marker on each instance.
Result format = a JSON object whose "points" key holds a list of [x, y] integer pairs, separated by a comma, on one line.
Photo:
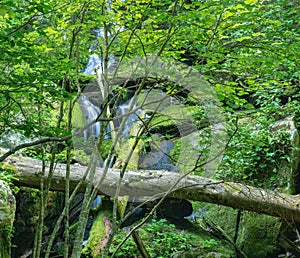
{"points": [[90, 112]]}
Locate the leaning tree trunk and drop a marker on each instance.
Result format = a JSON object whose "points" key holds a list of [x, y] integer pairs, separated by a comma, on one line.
{"points": [[154, 184]]}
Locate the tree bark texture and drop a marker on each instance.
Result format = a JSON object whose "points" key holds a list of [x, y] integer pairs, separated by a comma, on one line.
{"points": [[155, 183]]}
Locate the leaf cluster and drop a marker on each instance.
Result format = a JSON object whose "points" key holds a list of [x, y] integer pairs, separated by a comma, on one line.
{"points": [[257, 155], [162, 239]]}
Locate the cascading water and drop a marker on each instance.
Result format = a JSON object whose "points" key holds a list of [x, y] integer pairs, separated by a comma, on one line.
{"points": [[123, 110], [90, 112], [95, 62], [172, 208]]}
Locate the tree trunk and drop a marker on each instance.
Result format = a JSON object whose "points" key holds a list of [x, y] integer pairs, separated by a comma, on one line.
{"points": [[155, 184]]}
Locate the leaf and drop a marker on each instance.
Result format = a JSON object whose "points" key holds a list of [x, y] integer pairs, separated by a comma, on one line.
{"points": [[243, 38], [251, 1]]}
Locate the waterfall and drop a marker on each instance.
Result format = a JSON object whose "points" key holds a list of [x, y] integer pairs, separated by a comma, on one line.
{"points": [[90, 112], [123, 110], [157, 158], [95, 62]]}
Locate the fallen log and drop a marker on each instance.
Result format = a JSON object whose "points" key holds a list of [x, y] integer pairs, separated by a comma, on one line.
{"points": [[154, 183]]}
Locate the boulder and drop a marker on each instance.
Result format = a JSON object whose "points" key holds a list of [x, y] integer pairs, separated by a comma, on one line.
{"points": [[288, 125], [7, 215]]}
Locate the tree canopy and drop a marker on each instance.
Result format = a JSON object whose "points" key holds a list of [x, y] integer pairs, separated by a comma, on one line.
{"points": [[244, 53]]}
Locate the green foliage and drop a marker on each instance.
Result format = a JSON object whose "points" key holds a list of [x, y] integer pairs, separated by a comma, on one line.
{"points": [[77, 117], [7, 173], [162, 240], [121, 92], [242, 47], [34, 152], [35, 59], [165, 240], [77, 156], [128, 248], [256, 155]]}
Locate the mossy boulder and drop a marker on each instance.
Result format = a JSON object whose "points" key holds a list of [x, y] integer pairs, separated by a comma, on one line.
{"points": [[128, 148], [78, 120], [7, 215], [256, 235]]}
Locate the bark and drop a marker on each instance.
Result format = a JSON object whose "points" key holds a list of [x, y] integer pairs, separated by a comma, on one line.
{"points": [[140, 245], [154, 184]]}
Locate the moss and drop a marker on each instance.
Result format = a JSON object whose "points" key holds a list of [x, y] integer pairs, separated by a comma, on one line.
{"points": [[8, 167], [7, 214], [171, 115], [232, 187], [189, 150], [126, 145], [7, 173], [28, 206], [78, 120], [122, 203], [174, 153], [77, 117], [257, 235], [98, 231], [178, 115], [161, 121]]}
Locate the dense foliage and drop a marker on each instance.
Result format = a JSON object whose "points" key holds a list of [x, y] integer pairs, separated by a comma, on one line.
{"points": [[248, 51], [162, 239], [241, 47]]}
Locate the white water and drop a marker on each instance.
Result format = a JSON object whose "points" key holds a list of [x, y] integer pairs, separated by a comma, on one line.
{"points": [[90, 112], [130, 119]]}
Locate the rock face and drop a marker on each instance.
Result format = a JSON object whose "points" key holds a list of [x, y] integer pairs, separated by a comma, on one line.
{"points": [[7, 215]]}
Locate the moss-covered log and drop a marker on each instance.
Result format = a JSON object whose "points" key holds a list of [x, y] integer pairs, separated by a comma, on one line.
{"points": [[155, 183]]}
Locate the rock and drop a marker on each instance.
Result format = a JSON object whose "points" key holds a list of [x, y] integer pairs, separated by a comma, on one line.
{"points": [[7, 215], [288, 125], [170, 208], [175, 208]]}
